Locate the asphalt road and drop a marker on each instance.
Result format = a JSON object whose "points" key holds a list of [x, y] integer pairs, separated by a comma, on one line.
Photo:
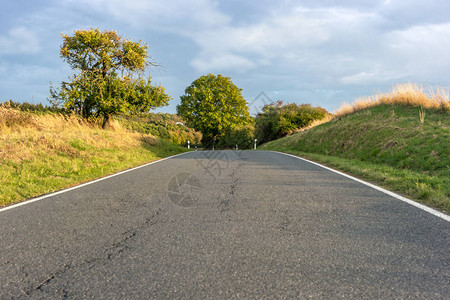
{"points": [[224, 224]]}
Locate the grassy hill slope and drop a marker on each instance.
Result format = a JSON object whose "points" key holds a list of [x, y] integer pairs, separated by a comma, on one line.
{"points": [[166, 126], [404, 148], [42, 152]]}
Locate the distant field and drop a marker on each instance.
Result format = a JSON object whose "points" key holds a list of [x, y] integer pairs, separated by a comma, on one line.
{"points": [[44, 152], [404, 147]]}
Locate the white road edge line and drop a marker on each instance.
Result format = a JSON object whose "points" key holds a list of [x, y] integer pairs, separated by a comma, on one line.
{"points": [[409, 201], [85, 184]]}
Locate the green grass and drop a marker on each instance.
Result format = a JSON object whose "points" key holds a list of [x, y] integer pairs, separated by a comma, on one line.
{"points": [[386, 144], [49, 172], [52, 152]]}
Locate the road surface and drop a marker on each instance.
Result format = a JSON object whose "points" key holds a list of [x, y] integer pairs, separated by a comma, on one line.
{"points": [[223, 224]]}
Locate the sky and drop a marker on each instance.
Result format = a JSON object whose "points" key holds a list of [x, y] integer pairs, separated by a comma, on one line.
{"points": [[321, 52]]}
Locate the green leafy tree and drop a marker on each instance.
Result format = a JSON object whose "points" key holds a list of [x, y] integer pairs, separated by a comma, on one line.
{"points": [[109, 77], [242, 137], [214, 105]]}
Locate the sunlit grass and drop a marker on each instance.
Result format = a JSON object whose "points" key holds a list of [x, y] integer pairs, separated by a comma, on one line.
{"points": [[404, 94], [403, 147], [41, 153]]}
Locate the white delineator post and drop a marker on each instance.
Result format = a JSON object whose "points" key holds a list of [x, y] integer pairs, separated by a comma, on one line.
{"points": [[189, 145], [255, 144]]}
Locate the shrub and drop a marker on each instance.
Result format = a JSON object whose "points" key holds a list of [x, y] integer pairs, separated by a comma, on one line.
{"points": [[277, 120], [162, 125], [30, 107], [12, 118], [242, 137]]}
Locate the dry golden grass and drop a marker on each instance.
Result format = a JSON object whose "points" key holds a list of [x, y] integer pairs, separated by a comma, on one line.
{"points": [[315, 123], [41, 153], [403, 94], [23, 134]]}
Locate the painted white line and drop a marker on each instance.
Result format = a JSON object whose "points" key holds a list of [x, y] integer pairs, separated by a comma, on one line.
{"points": [[409, 201], [84, 184]]}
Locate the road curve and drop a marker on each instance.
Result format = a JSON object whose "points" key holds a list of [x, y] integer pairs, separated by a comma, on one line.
{"points": [[223, 224]]}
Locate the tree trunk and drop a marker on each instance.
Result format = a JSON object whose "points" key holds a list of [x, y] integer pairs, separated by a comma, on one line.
{"points": [[106, 121]]}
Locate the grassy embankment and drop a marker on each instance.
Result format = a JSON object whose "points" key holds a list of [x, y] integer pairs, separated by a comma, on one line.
{"points": [[44, 152], [400, 141]]}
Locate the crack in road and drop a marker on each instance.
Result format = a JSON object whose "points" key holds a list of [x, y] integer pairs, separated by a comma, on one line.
{"points": [[109, 253], [229, 201]]}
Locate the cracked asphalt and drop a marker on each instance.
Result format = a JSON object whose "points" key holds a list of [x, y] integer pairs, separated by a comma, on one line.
{"points": [[223, 224]]}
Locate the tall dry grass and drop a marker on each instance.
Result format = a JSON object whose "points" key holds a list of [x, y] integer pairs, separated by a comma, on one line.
{"points": [[403, 94], [315, 123], [23, 135], [41, 153]]}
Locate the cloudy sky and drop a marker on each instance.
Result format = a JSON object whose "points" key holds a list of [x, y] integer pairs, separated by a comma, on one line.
{"points": [[322, 52]]}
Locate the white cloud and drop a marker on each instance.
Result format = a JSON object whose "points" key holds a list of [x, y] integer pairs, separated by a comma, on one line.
{"points": [[19, 40], [285, 36], [423, 37], [176, 15], [373, 77], [420, 50], [273, 33], [222, 61]]}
